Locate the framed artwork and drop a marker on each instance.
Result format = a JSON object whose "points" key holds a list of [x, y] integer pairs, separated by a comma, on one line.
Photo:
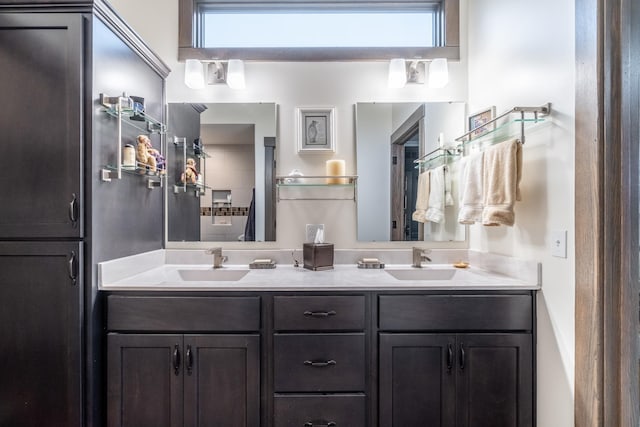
{"points": [[477, 120], [316, 129]]}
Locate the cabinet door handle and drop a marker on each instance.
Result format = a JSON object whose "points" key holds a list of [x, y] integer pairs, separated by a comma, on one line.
{"points": [[320, 423], [71, 267], [320, 313], [176, 360], [320, 364], [189, 357], [449, 358], [462, 356], [73, 208]]}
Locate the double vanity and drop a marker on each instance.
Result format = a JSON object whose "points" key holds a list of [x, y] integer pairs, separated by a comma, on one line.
{"points": [[400, 346]]}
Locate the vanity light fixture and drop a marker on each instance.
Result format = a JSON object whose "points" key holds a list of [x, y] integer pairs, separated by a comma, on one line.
{"points": [[235, 74], [402, 72], [438, 73], [397, 73], [193, 74], [230, 72]]}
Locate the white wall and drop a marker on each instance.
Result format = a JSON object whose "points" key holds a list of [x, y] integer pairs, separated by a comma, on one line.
{"points": [[290, 85], [522, 53]]}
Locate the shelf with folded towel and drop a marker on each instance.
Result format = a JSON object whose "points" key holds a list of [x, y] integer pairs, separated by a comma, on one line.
{"points": [[302, 187], [502, 128]]}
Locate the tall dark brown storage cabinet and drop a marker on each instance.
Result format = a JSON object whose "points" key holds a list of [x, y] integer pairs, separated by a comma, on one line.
{"points": [[57, 214]]}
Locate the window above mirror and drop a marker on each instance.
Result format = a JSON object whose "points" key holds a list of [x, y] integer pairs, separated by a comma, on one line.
{"points": [[318, 30]]}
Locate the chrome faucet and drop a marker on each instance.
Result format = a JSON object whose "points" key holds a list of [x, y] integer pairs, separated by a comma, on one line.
{"points": [[420, 255], [218, 258]]}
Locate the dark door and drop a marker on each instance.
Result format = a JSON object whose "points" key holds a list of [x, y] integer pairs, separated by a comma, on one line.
{"points": [[41, 125], [494, 380], [417, 380], [144, 380], [222, 381], [40, 326]]}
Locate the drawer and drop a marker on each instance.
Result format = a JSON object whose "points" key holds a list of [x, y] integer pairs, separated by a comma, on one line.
{"points": [[177, 314], [319, 313], [319, 362], [455, 312], [319, 411]]}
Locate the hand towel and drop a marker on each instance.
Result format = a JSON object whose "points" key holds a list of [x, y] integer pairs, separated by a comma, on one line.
{"points": [[435, 212], [502, 174], [448, 198], [471, 178], [422, 197]]}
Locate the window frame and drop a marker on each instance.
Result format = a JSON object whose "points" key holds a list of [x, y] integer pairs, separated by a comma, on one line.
{"points": [[448, 38]]}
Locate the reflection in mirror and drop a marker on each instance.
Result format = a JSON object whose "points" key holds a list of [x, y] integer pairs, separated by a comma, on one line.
{"points": [[231, 197], [389, 137]]}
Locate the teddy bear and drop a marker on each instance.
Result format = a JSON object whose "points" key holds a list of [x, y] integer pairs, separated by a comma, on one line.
{"points": [[190, 175], [148, 157]]}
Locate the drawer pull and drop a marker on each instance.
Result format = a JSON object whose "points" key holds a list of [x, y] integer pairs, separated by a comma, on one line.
{"points": [[449, 358], [189, 360], [462, 356], [320, 313], [320, 364], [320, 423], [176, 360]]}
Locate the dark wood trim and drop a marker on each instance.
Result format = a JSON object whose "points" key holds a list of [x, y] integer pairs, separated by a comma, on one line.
{"points": [[188, 49], [606, 176]]}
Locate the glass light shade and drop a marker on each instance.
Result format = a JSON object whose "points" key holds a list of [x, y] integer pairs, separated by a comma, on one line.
{"points": [[438, 73], [194, 74], [397, 73], [235, 74]]}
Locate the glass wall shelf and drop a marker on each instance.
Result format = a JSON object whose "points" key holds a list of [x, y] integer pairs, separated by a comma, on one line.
{"points": [[438, 157], [190, 148], [138, 120], [154, 179], [183, 188], [327, 186], [508, 130]]}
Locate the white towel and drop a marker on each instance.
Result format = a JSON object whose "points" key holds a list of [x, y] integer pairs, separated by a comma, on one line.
{"points": [[448, 198], [471, 190], [502, 173], [422, 198], [435, 212]]}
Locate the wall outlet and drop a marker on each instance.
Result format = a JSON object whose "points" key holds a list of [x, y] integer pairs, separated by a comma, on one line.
{"points": [[312, 229], [559, 243]]}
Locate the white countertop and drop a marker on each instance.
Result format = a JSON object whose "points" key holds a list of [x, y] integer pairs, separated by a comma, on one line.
{"points": [[160, 276]]}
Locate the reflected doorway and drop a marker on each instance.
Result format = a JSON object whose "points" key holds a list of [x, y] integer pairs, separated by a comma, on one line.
{"points": [[405, 148]]}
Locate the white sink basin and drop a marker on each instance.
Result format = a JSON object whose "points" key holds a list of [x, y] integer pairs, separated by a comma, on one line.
{"points": [[422, 273], [212, 275]]}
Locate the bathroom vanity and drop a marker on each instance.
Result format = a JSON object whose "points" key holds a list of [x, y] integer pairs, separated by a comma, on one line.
{"points": [[346, 347]]}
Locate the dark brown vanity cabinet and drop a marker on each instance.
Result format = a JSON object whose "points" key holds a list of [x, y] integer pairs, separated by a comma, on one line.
{"points": [[41, 155], [164, 378], [456, 360], [319, 361], [41, 346]]}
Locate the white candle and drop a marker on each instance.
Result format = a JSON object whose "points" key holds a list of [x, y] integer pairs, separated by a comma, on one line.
{"points": [[336, 167]]}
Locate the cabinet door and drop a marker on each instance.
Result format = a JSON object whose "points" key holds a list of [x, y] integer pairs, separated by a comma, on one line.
{"points": [[494, 380], [40, 326], [222, 381], [417, 380], [144, 380], [41, 122]]}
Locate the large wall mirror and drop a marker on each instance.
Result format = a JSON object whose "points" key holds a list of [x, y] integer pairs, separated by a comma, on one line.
{"points": [[389, 137], [231, 150]]}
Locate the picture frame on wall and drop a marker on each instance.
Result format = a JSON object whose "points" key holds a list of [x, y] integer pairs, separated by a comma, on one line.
{"points": [[315, 129], [477, 120]]}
